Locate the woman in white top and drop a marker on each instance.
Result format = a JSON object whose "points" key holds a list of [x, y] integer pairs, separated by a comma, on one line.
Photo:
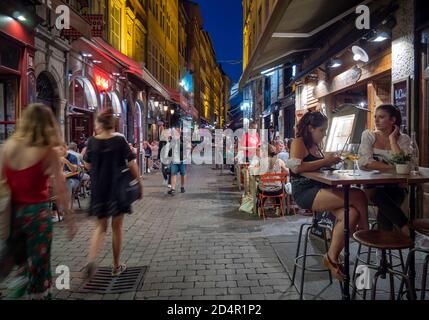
{"points": [[375, 153], [275, 165]]}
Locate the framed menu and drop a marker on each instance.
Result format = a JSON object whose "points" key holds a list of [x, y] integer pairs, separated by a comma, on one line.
{"points": [[340, 131], [401, 98]]}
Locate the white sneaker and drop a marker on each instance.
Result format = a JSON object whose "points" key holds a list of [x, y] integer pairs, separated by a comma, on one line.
{"points": [[148, 171], [165, 182], [169, 186], [55, 218]]}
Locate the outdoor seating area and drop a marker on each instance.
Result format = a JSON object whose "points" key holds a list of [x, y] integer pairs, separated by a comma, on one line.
{"points": [[387, 253]]}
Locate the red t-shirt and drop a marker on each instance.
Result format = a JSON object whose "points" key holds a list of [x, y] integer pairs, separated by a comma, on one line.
{"points": [[251, 141]]}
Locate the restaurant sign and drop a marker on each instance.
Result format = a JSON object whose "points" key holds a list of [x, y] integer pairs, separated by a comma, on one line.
{"points": [[101, 80]]}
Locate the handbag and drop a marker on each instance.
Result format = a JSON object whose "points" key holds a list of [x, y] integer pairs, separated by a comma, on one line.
{"points": [[247, 205], [128, 188]]}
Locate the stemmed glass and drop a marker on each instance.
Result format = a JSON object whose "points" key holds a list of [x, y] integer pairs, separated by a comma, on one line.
{"points": [[343, 153], [353, 150]]}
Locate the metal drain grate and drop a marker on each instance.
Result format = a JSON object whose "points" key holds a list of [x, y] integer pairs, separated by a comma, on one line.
{"points": [[130, 280]]}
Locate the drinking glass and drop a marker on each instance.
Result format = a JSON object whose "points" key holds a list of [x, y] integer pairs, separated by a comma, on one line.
{"points": [[343, 153], [353, 150]]}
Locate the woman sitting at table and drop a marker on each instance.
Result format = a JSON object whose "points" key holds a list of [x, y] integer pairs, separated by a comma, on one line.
{"points": [[375, 152], [317, 197], [275, 165]]}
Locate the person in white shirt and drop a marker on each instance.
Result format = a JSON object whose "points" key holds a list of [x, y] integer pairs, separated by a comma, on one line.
{"points": [[281, 151], [375, 153]]}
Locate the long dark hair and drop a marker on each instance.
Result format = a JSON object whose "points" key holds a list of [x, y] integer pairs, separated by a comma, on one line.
{"points": [[393, 112], [313, 119]]}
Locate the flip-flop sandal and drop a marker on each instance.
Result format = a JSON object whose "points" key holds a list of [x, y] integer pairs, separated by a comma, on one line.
{"points": [[119, 270], [336, 268]]}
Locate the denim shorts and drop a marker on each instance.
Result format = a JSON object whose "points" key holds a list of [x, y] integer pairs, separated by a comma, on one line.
{"points": [[178, 167]]}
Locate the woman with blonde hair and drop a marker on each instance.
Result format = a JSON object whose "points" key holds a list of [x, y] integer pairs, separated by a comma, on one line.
{"points": [[30, 158]]}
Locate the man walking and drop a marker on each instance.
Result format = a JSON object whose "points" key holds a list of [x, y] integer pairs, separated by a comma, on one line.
{"points": [[178, 164]]}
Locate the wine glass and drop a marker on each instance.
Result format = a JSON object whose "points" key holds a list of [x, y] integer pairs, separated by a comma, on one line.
{"points": [[353, 149], [343, 153]]}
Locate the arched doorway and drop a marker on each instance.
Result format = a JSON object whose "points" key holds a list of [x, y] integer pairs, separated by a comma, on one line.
{"points": [[82, 105], [47, 92]]}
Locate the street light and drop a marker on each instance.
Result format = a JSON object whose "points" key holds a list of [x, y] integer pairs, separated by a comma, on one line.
{"points": [[172, 111], [165, 108], [156, 104]]}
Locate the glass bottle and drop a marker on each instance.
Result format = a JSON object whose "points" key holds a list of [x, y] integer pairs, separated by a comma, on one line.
{"points": [[414, 148]]}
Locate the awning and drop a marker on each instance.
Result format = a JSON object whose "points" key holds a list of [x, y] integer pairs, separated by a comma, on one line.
{"points": [[181, 100], [293, 28], [134, 68]]}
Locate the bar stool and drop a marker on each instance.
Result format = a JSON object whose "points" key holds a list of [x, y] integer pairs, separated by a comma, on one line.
{"points": [[303, 266], [420, 226], [373, 223], [384, 241]]}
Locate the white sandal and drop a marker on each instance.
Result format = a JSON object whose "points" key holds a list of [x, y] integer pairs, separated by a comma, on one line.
{"points": [[119, 270]]}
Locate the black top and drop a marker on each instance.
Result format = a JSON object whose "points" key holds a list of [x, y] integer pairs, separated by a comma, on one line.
{"points": [[107, 158], [298, 179], [148, 151]]}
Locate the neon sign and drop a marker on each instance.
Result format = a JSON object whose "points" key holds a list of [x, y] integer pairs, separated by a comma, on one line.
{"points": [[102, 82]]}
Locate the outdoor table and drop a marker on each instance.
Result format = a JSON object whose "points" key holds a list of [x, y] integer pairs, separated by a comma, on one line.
{"points": [[336, 179]]}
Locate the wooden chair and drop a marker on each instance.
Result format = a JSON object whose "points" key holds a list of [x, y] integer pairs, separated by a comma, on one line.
{"points": [[270, 178]]}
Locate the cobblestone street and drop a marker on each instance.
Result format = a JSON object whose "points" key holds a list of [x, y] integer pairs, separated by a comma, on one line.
{"points": [[197, 245]]}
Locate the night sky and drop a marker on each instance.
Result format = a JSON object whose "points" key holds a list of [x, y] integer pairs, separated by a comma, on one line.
{"points": [[223, 19]]}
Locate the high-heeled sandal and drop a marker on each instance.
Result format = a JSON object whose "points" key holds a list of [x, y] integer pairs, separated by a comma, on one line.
{"points": [[336, 268]]}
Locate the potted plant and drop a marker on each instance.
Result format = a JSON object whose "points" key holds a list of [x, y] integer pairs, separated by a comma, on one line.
{"points": [[402, 163]]}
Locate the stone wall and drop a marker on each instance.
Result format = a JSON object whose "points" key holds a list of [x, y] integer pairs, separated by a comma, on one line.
{"points": [[50, 58], [403, 42]]}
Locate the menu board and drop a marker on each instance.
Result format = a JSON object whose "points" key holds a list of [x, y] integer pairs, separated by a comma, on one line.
{"points": [[400, 99], [340, 132]]}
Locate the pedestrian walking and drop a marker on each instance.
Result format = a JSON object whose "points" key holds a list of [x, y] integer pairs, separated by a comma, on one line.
{"points": [[30, 158], [164, 152], [178, 165], [106, 156], [147, 155]]}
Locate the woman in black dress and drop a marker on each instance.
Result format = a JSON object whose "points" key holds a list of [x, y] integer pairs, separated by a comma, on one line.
{"points": [[106, 155], [315, 196]]}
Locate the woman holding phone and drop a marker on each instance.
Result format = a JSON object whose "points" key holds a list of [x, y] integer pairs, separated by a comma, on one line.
{"points": [[375, 153]]}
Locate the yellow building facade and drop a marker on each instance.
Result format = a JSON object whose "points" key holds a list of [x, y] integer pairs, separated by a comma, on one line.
{"points": [[255, 16], [163, 41], [125, 28]]}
